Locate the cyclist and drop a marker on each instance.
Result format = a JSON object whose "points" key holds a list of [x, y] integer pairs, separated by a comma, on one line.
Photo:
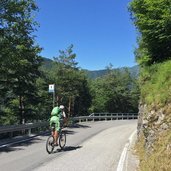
{"points": [[56, 114]]}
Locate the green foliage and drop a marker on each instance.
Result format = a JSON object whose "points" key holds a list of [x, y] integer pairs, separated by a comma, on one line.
{"points": [[8, 115], [107, 93], [19, 54], [65, 71], [84, 99], [115, 92], [67, 58], [156, 81], [153, 21], [24, 82], [71, 83], [43, 108]]}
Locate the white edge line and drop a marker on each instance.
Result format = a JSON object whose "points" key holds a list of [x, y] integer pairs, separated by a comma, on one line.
{"points": [[124, 152]]}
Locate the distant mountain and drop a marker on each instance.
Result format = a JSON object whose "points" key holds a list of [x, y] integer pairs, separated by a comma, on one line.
{"points": [[48, 63], [95, 74], [99, 73]]}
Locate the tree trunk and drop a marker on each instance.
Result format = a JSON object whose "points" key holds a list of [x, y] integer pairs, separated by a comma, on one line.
{"points": [[69, 106], [73, 103], [21, 110], [57, 100]]}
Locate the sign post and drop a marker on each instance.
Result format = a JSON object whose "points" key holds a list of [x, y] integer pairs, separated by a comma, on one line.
{"points": [[52, 90]]}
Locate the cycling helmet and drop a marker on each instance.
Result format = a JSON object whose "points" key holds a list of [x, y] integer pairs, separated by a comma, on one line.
{"points": [[61, 107]]}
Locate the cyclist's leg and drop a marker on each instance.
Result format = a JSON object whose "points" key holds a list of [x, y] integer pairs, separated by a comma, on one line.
{"points": [[57, 128], [54, 120], [51, 122], [56, 137]]}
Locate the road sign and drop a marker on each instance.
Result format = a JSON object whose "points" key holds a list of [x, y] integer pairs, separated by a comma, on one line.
{"points": [[51, 88]]}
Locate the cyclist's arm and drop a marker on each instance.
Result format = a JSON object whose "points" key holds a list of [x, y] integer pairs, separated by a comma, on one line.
{"points": [[64, 118], [63, 114]]}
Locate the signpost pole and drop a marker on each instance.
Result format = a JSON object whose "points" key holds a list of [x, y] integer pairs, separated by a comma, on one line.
{"points": [[52, 90], [54, 99]]}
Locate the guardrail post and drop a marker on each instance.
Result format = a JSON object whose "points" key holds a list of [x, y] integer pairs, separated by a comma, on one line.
{"points": [[29, 131]]}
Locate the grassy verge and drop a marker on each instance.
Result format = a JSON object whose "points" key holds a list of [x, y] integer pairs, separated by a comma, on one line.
{"points": [[159, 158], [156, 93], [156, 84]]}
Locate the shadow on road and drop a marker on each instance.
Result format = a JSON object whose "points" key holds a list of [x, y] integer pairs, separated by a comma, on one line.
{"points": [[68, 148], [69, 132], [10, 149], [76, 125], [15, 146]]}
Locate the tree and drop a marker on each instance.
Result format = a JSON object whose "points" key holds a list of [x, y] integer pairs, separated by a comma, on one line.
{"points": [[19, 54], [84, 99], [153, 21], [115, 92], [71, 82], [45, 104]]}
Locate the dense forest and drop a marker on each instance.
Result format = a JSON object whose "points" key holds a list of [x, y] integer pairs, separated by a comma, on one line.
{"points": [[25, 75]]}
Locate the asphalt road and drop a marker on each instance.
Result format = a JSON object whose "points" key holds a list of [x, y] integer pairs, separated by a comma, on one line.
{"points": [[90, 146]]}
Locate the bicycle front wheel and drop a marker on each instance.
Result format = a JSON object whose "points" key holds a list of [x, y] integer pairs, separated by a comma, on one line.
{"points": [[62, 140], [50, 144]]}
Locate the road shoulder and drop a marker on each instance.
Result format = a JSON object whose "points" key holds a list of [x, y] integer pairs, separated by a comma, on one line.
{"points": [[132, 161]]}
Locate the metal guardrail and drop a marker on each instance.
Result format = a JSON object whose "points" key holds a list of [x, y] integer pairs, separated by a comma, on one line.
{"points": [[92, 117], [24, 127], [106, 116]]}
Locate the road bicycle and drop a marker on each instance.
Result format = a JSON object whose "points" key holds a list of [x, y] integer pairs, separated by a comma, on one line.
{"points": [[50, 143]]}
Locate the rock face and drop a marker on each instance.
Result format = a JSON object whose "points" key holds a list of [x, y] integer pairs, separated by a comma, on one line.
{"points": [[152, 122]]}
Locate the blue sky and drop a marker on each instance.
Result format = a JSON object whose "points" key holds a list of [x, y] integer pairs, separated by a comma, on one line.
{"points": [[100, 30]]}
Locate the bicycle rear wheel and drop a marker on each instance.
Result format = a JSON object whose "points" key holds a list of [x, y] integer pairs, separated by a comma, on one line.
{"points": [[62, 140], [50, 144]]}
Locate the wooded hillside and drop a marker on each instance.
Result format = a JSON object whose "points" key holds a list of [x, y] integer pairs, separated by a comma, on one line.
{"points": [[153, 22]]}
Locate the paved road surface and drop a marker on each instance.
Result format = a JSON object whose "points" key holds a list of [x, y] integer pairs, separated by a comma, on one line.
{"points": [[90, 146]]}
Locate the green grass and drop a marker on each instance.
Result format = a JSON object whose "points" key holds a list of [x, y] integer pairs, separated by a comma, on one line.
{"points": [[156, 84]]}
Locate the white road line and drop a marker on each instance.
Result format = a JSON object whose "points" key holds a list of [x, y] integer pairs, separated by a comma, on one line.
{"points": [[124, 152]]}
